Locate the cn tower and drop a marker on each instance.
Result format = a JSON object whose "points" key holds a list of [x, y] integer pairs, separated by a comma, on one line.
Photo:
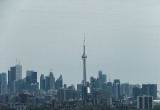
{"points": [[84, 57], [84, 86]]}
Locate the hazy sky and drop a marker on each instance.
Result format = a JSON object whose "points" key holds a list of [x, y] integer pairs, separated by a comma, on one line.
{"points": [[122, 38]]}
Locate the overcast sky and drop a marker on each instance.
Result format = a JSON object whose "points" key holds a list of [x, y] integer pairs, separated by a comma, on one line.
{"points": [[122, 38]]}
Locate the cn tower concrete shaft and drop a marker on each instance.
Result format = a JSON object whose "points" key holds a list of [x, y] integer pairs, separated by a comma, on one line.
{"points": [[84, 57]]}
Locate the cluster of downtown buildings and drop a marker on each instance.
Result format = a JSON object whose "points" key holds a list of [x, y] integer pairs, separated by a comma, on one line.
{"points": [[98, 90], [28, 90]]}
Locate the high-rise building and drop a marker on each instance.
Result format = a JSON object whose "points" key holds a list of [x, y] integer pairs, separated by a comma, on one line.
{"points": [[31, 80], [3, 83], [153, 91], [11, 78], [71, 87], [150, 89], [28, 76], [104, 78], [116, 89], [18, 71], [28, 80], [52, 80], [47, 83], [93, 83], [15, 73], [71, 94], [42, 82], [137, 91], [34, 77], [34, 87], [101, 79], [65, 86], [19, 86], [61, 93], [79, 91], [100, 96], [110, 88], [124, 90], [144, 102], [59, 83], [29, 72]]}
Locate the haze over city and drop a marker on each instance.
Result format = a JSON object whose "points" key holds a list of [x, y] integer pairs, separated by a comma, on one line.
{"points": [[122, 38]]}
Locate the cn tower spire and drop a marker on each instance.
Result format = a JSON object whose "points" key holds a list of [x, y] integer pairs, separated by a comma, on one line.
{"points": [[84, 57], [84, 39], [84, 45]]}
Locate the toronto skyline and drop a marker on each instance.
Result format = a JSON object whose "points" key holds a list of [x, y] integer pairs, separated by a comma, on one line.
{"points": [[122, 38]]}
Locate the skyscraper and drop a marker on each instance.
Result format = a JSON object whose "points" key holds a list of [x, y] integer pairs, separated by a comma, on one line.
{"points": [[15, 73], [79, 91], [93, 83], [124, 89], [29, 72], [116, 89], [31, 77], [101, 79], [28, 76], [150, 90], [18, 71], [42, 82], [34, 77], [84, 87], [19, 86], [52, 80], [11, 78], [47, 83], [137, 91], [59, 83], [109, 88], [3, 83]]}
